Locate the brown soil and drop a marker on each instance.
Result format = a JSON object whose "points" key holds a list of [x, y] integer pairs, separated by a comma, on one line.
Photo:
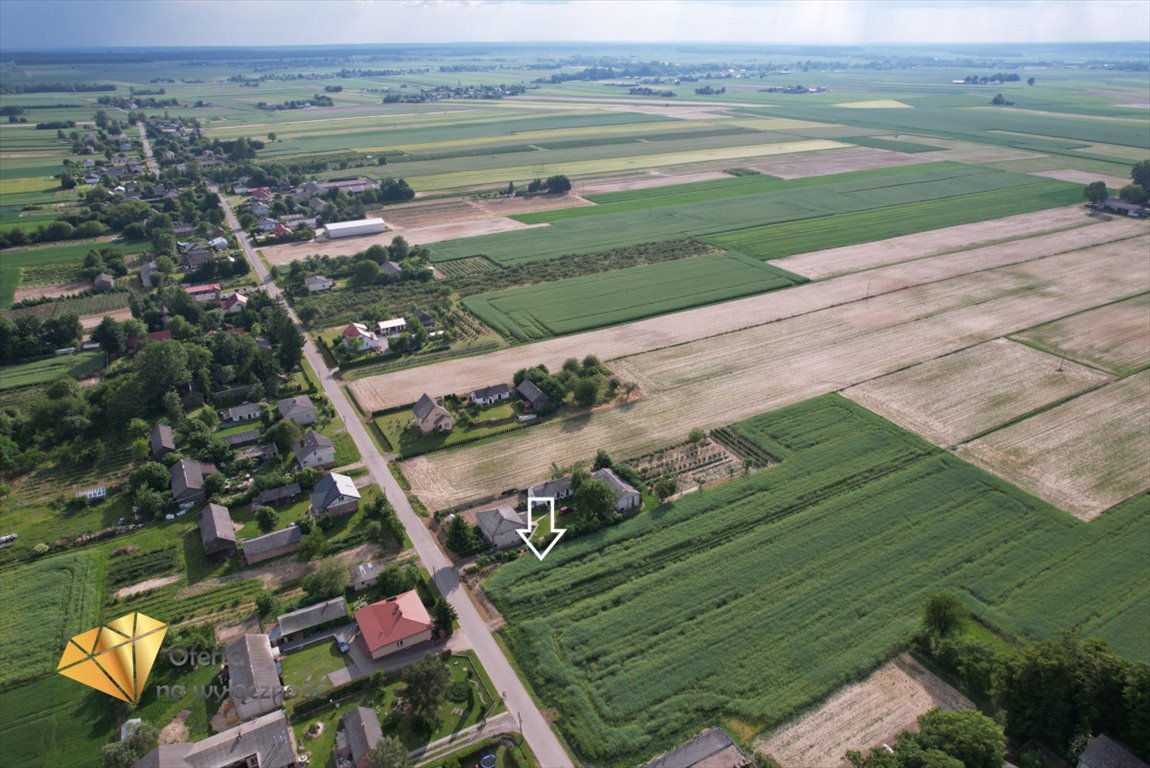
{"points": [[91, 321], [649, 180], [51, 291], [1115, 337], [837, 161], [249, 626], [176, 732], [144, 586]]}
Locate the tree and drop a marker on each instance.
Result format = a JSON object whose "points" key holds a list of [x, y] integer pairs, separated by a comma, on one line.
{"points": [[444, 616], [666, 486], [1133, 193], [1140, 174], [460, 536], [283, 433], [1035, 689], [594, 498], [942, 612], [389, 752], [603, 459], [585, 392], [162, 367], [329, 579], [696, 435], [265, 603], [557, 184], [267, 519], [110, 335], [214, 484], [364, 273], [151, 475], [1030, 81], [427, 682], [1096, 192], [968, 735], [117, 755]]}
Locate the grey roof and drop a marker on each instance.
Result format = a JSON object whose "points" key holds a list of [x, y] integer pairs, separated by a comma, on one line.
{"points": [[245, 437], [294, 405], [187, 475], [618, 484], [313, 616], [163, 438], [251, 665], [245, 409], [273, 540], [216, 524], [426, 320], [268, 737], [104, 279], [391, 268], [423, 406], [493, 391], [310, 443], [166, 756], [1105, 752], [531, 392], [560, 487], [289, 491], [330, 487], [363, 731], [498, 521], [712, 748]]}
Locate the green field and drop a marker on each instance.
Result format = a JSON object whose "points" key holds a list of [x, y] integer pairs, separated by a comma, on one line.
{"points": [[13, 259], [619, 296], [748, 602], [43, 371]]}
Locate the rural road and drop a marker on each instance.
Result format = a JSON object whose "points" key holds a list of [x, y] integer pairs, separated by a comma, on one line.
{"points": [[535, 728], [149, 158]]}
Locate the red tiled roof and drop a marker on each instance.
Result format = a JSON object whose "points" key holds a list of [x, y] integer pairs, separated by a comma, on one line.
{"points": [[391, 620]]}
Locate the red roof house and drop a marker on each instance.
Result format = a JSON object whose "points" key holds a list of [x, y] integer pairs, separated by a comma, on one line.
{"points": [[394, 624]]}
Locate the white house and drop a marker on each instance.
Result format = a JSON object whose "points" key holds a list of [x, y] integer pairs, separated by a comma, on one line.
{"points": [[335, 494], [314, 450], [392, 327], [626, 497], [235, 303], [219, 244], [357, 336], [500, 526], [490, 395], [318, 283]]}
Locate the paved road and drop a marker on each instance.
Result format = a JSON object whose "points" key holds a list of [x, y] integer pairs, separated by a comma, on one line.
{"points": [[149, 158], [536, 730]]}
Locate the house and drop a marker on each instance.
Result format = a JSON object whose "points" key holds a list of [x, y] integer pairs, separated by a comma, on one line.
{"points": [[203, 293], [370, 226], [258, 209], [317, 204], [219, 244], [235, 303], [242, 412], [431, 417], [232, 393], [361, 731], [552, 489], [267, 225], [271, 545], [266, 742], [277, 495], [310, 188], [491, 395], [318, 283], [294, 625], [103, 282], [262, 194], [426, 320], [391, 268], [187, 479], [1105, 752], [314, 450], [335, 495], [163, 441], [394, 624], [282, 230], [239, 439], [299, 409], [253, 680], [356, 336], [196, 256], [364, 575], [392, 327], [500, 526], [533, 397], [626, 497], [147, 274], [712, 748], [217, 532]]}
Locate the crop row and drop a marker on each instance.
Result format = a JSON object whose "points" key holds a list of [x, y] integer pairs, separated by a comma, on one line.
{"points": [[468, 266], [162, 603], [129, 570]]}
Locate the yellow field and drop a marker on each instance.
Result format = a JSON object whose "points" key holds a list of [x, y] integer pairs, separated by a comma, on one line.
{"points": [[27, 184]]}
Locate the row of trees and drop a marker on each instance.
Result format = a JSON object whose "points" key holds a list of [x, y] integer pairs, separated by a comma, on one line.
{"points": [[1137, 192]]}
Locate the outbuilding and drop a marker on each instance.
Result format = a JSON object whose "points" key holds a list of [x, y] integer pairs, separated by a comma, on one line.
{"points": [[355, 228]]}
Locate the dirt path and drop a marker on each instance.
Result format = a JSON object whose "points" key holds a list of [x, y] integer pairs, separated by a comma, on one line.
{"points": [[176, 732], [144, 586], [276, 574], [50, 291]]}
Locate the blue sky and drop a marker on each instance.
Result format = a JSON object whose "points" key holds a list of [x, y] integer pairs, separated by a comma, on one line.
{"points": [[77, 23]]}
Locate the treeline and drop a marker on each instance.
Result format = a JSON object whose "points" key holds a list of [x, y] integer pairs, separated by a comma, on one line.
{"points": [[999, 77], [29, 336], [12, 88]]}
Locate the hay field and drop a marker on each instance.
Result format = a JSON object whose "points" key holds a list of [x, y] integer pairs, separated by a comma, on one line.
{"points": [[1114, 337], [1083, 456], [953, 398], [716, 380], [1084, 177], [838, 161], [862, 716]]}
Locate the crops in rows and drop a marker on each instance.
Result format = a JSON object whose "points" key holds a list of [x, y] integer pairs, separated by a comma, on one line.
{"points": [[81, 305], [607, 298], [1115, 337], [800, 578], [163, 604], [43, 371], [41, 606], [137, 567], [892, 144], [469, 266]]}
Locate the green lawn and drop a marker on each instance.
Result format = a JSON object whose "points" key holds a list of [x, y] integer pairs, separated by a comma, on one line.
{"points": [[406, 441], [308, 667], [13, 259], [814, 571], [77, 366], [55, 722]]}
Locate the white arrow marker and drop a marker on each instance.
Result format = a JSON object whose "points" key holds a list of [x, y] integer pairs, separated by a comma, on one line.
{"points": [[525, 533]]}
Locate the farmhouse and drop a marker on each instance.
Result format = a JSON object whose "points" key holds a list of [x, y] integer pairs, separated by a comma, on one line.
{"points": [[187, 480], [217, 532], [259, 209], [294, 625], [392, 327], [335, 495], [1105, 752], [243, 412], [235, 303], [103, 282], [501, 526], [276, 495], [355, 228], [712, 748], [490, 395], [1118, 205], [626, 497], [162, 442], [219, 244], [147, 270], [267, 742], [533, 397], [263, 194], [318, 283], [204, 293], [271, 545], [299, 409], [196, 256], [254, 681], [361, 731], [314, 450], [391, 268], [432, 417], [557, 489], [356, 336], [238, 439], [394, 624]]}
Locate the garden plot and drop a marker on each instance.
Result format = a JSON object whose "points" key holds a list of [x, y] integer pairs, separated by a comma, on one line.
{"points": [[1083, 456], [862, 716], [838, 161], [953, 398], [1115, 337], [713, 381]]}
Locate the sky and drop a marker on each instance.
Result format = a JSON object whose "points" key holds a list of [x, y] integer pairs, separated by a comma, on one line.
{"points": [[34, 24]]}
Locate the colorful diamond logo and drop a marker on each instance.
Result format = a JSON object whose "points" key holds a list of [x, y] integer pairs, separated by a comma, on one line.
{"points": [[116, 658]]}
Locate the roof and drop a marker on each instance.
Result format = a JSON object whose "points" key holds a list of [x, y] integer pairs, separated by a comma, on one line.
{"points": [[235, 298], [618, 484], [317, 280], [500, 521], [391, 268], [560, 487], [495, 390], [268, 737], [244, 409], [241, 438], [712, 748], [310, 443], [313, 616], [529, 391], [293, 405], [273, 540], [423, 406], [186, 475], [1105, 752], [391, 620], [330, 487], [251, 665], [357, 330], [394, 323], [207, 288], [363, 731], [162, 437], [351, 226], [288, 491], [216, 524]]}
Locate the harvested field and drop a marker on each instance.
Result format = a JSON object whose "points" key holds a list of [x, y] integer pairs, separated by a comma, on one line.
{"points": [[818, 265], [876, 104], [649, 180], [928, 308], [862, 716], [1114, 337], [837, 161], [50, 291], [460, 229], [513, 206], [953, 398], [1083, 456], [425, 213], [1084, 177], [973, 152], [119, 315]]}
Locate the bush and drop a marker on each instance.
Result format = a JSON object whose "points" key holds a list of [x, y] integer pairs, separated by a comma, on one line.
{"points": [[459, 692]]}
